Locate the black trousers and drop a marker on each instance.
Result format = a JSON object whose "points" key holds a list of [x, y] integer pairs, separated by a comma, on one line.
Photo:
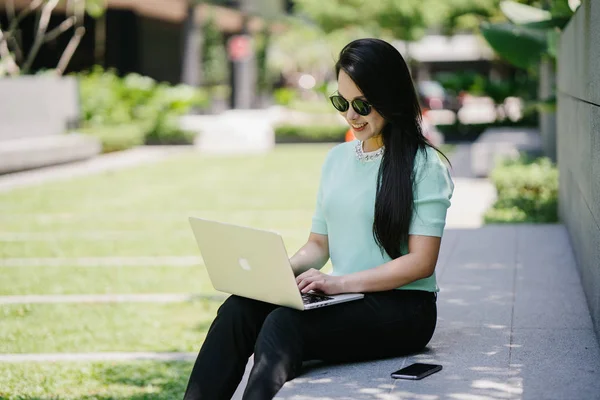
{"points": [[383, 324]]}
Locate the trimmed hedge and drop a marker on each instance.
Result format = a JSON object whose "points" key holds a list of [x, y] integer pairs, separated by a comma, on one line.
{"points": [[310, 133], [527, 192]]}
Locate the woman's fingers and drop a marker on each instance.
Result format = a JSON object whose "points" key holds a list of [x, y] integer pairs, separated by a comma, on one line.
{"points": [[311, 286], [304, 275], [316, 280], [306, 282]]}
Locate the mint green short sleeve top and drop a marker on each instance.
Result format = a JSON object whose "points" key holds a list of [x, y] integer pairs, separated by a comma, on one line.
{"points": [[345, 208]]}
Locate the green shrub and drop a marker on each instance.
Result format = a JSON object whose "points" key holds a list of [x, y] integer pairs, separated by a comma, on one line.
{"points": [[166, 131], [117, 137], [110, 102], [527, 192], [310, 133]]}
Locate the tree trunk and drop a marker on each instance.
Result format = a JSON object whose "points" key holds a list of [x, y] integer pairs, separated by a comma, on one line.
{"points": [[191, 73]]}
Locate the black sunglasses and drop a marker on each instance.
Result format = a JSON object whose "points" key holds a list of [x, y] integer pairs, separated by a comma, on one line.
{"points": [[341, 104]]}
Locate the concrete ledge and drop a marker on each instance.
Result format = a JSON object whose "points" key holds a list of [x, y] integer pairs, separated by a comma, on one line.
{"points": [[232, 132], [248, 131], [500, 143], [35, 152]]}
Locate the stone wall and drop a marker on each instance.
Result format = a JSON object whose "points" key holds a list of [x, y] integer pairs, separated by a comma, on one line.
{"points": [[578, 144]]}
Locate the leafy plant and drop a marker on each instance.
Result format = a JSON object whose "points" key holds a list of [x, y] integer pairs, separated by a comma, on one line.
{"points": [[531, 33], [527, 192], [166, 131], [108, 100]]}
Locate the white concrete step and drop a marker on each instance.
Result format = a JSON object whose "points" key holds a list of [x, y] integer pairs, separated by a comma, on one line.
{"points": [[34, 152]]}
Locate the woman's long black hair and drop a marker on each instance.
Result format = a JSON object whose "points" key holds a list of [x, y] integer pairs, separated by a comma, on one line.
{"points": [[382, 75]]}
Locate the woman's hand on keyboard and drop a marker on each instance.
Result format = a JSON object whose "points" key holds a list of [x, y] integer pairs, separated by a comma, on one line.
{"points": [[316, 280]]}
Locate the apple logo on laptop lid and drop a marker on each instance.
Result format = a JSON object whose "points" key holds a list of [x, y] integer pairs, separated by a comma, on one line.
{"points": [[244, 264]]}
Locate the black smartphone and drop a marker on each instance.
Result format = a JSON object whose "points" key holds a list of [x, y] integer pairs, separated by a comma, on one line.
{"points": [[416, 371]]}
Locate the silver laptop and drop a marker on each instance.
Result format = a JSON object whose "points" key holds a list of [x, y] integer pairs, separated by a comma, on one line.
{"points": [[254, 263]]}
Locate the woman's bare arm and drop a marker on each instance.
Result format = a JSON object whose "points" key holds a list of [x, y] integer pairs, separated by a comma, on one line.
{"points": [[314, 254]]}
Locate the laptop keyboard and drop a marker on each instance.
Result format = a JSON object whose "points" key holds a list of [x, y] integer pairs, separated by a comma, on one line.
{"points": [[309, 298]]}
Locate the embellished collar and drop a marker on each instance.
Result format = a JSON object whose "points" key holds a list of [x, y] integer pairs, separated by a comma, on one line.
{"points": [[363, 156]]}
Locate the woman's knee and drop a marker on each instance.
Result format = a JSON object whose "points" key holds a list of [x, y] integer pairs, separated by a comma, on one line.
{"points": [[233, 305], [283, 319], [236, 310], [244, 312]]}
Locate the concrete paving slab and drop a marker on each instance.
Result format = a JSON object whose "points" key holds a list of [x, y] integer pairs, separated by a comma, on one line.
{"points": [[449, 242], [476, 273], [437, 388], [468, 353], [486, 275], [480, 256], [549, 261], [473, 305], [558, 307], [348, 381], [557, 363], [489, 244], [548, 292]]}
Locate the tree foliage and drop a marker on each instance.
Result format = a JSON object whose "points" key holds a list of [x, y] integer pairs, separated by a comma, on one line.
{"points": [[400, 19], [13, 59], [409, 19], [215, 68]]}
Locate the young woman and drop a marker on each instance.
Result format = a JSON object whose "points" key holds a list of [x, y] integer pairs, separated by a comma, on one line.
{"points": [[380, 214]]}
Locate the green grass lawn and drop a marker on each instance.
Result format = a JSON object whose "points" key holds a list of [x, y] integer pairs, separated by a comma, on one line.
{"points": [[98, 381], [61, 280], [137, 212], [179, 242], [73, 328]]}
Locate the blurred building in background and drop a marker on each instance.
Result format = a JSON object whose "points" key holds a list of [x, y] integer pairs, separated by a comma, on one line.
{"points": [[440, 53], [156, 38]]}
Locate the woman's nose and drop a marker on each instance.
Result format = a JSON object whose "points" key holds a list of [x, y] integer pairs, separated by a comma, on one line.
{"points": [[351, 114]]}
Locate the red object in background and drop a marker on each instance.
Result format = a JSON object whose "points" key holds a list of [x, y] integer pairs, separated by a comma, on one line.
{"points": [[238, 47], [350, 135]]}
